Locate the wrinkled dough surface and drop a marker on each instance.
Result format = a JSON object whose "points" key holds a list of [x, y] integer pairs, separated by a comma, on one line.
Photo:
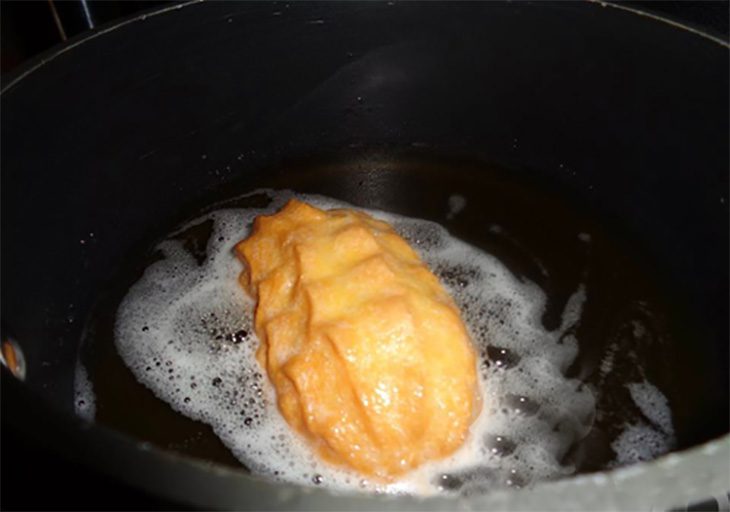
{"points": [[369, 357]]}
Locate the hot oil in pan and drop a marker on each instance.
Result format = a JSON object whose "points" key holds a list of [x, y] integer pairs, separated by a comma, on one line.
{"points": [[540, 236]]}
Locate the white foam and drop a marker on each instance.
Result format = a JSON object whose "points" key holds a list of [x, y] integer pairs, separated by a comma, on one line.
{"points": [[653, 405], [84, 397], [185, 331], [638, 442], [645, 438], [457, 203]]}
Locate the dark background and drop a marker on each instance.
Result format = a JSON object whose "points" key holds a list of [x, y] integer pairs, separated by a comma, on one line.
{"points": [[31, 477], [29, 28]]}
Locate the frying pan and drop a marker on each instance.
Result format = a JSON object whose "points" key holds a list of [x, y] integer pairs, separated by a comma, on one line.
{"points": [[108, 138]]}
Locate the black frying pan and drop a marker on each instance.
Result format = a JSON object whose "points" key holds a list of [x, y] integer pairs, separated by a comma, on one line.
{"points": [[585, 115]]}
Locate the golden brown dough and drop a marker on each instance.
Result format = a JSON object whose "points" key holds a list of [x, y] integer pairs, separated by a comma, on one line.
{"points": [[367, 352]]}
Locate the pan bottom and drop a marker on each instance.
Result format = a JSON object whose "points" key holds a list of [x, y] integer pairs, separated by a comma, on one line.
{"points": [[541, 234]]}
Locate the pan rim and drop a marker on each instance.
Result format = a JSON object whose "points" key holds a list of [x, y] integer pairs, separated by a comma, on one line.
{"points": [[40, 60]]}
